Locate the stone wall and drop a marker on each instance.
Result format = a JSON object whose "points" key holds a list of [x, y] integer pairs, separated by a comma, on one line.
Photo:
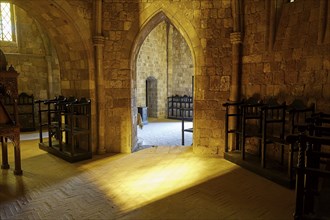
{"points": [[152, 62], [31, 56], [165, 56], [295, 62], [205, 26], [182, 66], [296, 65], [285, 55]]}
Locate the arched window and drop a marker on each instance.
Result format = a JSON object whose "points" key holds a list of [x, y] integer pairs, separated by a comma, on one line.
{"points": [[7, 24]]}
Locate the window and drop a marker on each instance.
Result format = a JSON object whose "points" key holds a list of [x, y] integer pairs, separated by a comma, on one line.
{"points": [[6, 22]]}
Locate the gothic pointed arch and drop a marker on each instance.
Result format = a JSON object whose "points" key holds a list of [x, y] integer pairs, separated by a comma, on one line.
{"points": [[138, 33]]}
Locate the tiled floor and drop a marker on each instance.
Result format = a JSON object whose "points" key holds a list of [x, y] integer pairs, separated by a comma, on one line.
{"points": [[154, 183]]}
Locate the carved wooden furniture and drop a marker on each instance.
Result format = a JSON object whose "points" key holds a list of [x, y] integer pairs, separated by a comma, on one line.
{"points": [[68, 122], [185, 112], [9, 124], [176, 103]]}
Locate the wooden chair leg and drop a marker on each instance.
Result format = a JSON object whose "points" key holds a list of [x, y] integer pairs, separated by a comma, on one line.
{"points": [[17, 152], [290, 162], [4, 148]]}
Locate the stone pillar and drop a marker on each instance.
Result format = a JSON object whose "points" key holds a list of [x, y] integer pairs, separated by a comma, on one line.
{"points": [[235, 87], [98, 40], [236, 40]]}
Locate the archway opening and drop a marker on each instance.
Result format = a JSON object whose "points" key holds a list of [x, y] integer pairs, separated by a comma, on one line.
{"points": [[164, 69]]}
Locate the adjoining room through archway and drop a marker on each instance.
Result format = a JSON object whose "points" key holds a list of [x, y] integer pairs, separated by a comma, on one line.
{"points": [[164, 73]]}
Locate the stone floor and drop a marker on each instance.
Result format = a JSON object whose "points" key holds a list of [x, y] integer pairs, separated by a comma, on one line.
{"points": [[164, 132], [153, 183]]}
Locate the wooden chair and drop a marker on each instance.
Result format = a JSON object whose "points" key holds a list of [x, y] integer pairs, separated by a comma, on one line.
{"points": [[186, 116], [273, 128], [236, 114], [298, 116], [251, 122], [308, 176]]}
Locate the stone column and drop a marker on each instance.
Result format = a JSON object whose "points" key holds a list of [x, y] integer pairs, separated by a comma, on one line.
{"points": [[236, 40], [235, 87], [98, 40]]}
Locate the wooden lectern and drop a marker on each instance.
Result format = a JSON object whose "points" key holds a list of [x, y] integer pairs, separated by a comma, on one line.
{"points": [[9, 125]]}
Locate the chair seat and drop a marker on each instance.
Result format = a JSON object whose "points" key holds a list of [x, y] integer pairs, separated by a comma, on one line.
{"points": [[189, 130]]}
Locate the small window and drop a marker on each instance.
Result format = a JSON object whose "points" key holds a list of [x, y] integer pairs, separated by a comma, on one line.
{"points": [[6, 22]]}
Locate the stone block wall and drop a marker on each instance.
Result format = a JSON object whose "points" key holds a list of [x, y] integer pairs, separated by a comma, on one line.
{"points": [[296, 64], [152, 62], [30, 56], [292, 65], [182, 68], [285, 56], [165, 56], [205, 26]]}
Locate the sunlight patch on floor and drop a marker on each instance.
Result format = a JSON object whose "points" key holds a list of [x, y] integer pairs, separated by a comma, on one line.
{"points": [[143, 184]]}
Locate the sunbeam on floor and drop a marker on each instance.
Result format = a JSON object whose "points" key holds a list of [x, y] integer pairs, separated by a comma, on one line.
{"points": [[154, 183]]}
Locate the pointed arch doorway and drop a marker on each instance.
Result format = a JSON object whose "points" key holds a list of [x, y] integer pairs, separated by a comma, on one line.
{"points": [[164, 68]]}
